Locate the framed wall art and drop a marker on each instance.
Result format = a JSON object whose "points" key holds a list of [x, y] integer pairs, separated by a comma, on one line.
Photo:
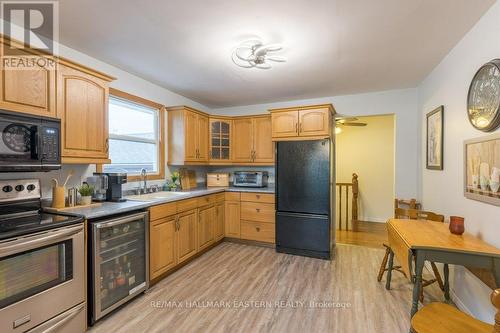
{"points": [[434, 142], [482, 169]]}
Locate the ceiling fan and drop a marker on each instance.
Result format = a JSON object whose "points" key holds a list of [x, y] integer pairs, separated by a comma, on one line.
{"points": [[343, 120], [255, 54]]}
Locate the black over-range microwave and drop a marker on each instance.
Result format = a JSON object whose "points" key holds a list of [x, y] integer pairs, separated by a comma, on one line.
{"points": [[29, 143]]}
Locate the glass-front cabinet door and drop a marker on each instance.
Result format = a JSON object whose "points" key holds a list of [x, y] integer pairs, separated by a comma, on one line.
{"points": [[220, 140]]}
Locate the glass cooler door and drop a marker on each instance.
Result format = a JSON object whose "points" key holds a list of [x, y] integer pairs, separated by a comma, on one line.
{"points": [[120, 261]]}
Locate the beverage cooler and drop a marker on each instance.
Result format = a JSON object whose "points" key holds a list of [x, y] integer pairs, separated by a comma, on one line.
{"points": [[118, 266]]}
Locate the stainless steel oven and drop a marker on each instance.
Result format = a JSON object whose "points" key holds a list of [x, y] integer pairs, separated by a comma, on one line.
{"points": [[29, 143], [119, 266], [42, 281]]}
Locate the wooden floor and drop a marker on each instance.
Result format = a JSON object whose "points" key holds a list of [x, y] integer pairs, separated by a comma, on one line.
{"points": [[255, 289], [371, 234]]}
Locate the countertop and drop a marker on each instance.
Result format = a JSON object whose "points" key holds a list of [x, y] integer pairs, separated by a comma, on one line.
{"points": [[112, 208]]}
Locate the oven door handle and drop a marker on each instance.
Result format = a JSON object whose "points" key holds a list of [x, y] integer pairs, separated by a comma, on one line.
{"points": [[33, 242], [120, 220]]}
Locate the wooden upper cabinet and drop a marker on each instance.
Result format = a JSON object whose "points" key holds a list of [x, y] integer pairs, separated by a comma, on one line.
{"points": [[262, 140], [31, 91], [202, 138], [285, 124], [187, 136], [82, 105], [243, 140], [252, 142], [312, 122], [191, 136], [161, 246], [220, 131]]}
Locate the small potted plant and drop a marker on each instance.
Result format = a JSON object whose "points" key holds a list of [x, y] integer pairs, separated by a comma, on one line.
{"points": [[174, 177], [86, 194]]}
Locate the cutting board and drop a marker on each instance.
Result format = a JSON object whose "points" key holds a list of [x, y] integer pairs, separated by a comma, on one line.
{"points": [[188, 178]]}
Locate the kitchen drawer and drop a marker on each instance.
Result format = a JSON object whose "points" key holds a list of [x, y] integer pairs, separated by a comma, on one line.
{"points": [[206, 200], [257, 231], [219, 197], [232, 196], [187, 204], [257, 197], [160, 211], [261, 212]]}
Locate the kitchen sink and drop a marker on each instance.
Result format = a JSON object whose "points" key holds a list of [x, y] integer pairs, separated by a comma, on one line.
{"points": [[156, 196]]}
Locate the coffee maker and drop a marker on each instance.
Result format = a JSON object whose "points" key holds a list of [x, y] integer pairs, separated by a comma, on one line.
{"points": [[108, 186]]}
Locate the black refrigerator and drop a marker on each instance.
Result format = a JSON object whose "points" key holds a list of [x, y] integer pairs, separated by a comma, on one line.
{"points": [[304, 199]]}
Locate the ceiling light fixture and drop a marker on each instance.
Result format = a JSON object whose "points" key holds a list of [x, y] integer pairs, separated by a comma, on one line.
{"points": [[255, 54]]}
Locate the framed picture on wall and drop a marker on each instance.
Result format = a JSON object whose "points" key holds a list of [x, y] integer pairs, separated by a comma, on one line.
{"points": [[434, 152], [482, 169]]}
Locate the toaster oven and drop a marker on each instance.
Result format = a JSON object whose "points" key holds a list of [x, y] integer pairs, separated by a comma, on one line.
{"points": [[250, 178]]}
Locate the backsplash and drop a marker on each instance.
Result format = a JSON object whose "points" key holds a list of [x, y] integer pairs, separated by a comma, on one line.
{"points": [[81, 172]]}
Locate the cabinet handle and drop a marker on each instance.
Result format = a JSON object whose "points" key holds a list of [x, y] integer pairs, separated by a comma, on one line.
{"points": [[107, 145], [300, 131], [257, 196], [258, 210], [296, 127], [257, 228]]}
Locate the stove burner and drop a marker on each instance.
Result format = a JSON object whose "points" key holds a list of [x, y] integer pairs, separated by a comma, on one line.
{"points": [[17, 137]]}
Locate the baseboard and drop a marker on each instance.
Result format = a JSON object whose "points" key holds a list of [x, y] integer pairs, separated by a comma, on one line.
{"points": [[458, 302], [372, 219]]}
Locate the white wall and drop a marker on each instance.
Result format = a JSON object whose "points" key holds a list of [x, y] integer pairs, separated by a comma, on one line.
{"points": [[442, 191], [124, 81], [401, 103]]}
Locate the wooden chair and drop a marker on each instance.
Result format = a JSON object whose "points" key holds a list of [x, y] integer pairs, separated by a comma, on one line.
{"points": [[412, 214], [444, 318]]}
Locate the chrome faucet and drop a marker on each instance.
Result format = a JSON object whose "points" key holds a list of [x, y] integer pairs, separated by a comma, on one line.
{"points": [[144, 178]]}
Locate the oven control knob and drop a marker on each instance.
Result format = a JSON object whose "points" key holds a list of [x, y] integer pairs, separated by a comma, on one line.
{"points": [[7, 188], [30, 187], [19, 188]]}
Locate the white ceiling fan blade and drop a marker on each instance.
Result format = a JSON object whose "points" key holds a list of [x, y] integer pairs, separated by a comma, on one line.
{"points": [[248, 57], [262, 50], [263, 66], [276, 58], [240, 62]]}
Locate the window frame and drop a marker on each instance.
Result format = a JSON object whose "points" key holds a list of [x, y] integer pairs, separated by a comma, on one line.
{"points": [[161, 133]]}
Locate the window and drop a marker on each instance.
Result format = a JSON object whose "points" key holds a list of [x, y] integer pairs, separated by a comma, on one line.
{"points": [[135, 135]]}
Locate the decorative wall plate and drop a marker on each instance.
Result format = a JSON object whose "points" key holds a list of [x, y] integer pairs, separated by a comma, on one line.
{"points": [[483, 100]]}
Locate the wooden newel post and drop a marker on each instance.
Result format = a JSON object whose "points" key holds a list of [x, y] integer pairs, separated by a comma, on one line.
{"points": [[355, 191], [495, 300]]}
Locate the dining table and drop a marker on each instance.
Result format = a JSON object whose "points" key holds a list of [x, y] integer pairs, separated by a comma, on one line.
{"points": [[413, 242]]}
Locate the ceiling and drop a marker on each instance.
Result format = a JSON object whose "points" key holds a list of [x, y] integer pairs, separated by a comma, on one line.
{"points": [[334, 47]]}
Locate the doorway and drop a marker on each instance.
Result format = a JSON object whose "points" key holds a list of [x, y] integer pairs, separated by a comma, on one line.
{"points": [[365, 147]]}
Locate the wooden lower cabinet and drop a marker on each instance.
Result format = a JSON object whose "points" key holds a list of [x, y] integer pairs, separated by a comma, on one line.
{"points": [[258, 231], [232, 219], [206, 227], [219, 221], [161, 246], [185, 237]]}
